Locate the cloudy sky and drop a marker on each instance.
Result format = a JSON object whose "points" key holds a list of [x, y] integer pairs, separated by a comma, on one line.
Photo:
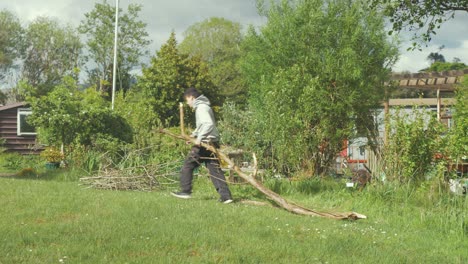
{"points": [[163, 16]]}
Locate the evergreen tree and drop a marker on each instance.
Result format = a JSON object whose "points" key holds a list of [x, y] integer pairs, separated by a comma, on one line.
{"points": [[170, 73]]}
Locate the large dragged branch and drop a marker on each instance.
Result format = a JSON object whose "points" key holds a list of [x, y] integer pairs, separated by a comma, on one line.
{"points": [[280, 201]]}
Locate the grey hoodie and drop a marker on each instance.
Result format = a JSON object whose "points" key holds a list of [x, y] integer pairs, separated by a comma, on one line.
{"points": [[206, 125]]}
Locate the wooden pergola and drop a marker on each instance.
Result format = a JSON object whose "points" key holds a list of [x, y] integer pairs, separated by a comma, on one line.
{"points": [[436, 81], [445, 81]]}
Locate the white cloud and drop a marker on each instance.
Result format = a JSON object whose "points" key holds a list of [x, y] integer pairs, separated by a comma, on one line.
{"points": [[414, 61], [453, 35]]}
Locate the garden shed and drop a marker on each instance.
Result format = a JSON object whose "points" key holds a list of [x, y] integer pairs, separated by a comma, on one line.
{"points": [[16, 134]]}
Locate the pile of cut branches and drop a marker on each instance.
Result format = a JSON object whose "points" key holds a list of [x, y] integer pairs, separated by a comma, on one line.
{"points": [[141, 178]]}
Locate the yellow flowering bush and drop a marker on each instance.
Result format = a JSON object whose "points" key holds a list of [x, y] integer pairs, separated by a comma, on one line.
{"points": [[52, 155]]}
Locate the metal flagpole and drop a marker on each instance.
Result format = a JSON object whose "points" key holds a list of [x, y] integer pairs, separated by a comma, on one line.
{"points": [[115, 50]]}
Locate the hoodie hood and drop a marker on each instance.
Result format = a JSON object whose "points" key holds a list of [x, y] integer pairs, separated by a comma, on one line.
{"points": [[201, 100]]}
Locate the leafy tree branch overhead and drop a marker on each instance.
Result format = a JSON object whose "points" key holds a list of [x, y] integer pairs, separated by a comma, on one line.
{"points": [[418, 16]]}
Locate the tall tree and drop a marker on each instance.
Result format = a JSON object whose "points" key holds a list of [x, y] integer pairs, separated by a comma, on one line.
{"points": [[315, 70], [98, 27], [52, 52], [435, 57], [217, 41], [11, 36], [169, 74], [417, 15]]}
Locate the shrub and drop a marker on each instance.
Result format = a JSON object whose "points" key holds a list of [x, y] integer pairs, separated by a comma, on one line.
{"points": [[52, 155], [458, 147], [14, 162], [2, 142], [414, 140], [69, 115]]}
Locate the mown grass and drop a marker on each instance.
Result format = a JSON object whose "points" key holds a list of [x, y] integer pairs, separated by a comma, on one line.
{"points": [[59, 221]]}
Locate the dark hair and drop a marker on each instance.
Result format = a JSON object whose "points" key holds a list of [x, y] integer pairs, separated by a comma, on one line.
{"points": [[192, 92]]}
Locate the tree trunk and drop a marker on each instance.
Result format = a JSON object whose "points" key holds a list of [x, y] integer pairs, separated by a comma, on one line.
{"points": [[280, 201]]}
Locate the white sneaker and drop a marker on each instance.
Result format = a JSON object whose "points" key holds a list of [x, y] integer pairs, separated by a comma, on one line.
{"points": [[227, 201], [181, 195]]}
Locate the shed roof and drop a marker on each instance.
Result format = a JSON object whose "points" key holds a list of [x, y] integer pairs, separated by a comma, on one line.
{"points": [[18, 104]]}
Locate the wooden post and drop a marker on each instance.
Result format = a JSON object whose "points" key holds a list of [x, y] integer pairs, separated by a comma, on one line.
{"points": [[438, 105], [182, 126], [386, 122]]}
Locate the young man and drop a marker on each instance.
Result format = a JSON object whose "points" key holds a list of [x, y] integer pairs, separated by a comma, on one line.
{"points": [[205, 132]]}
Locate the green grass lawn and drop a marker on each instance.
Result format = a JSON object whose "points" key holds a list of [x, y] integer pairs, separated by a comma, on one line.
{"points": [[47, 221]]}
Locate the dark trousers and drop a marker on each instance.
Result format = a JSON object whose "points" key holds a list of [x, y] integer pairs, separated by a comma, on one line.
{"points": [[194, 159]]}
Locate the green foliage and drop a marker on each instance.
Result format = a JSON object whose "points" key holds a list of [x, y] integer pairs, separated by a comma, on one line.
{"points": [[138, 112], [98, 27], [84, 158], [11, 35], [103, 122], [15, 163], [315, 71], [168, 150], [217, 41], [52, 154], [3, 97], [52, 52], [415, 139], [2, 142], [233, 127], [68, 115], [56, 115], [459, 134], [170, 73], [446, 66], [425, 15], [11, 161]]}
